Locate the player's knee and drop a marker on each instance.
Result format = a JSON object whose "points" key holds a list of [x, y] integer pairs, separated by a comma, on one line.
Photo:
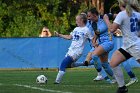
{"points": [[62, 66], [70, 65], [95, 57], [65, 63]]}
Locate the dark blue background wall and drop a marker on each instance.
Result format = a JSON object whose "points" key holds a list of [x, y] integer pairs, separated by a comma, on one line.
{"points": [[38, 52]]}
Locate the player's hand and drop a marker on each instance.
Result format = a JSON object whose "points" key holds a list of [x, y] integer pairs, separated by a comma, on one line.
{"points": [[118, 32], [97, 32], [56, 33]]}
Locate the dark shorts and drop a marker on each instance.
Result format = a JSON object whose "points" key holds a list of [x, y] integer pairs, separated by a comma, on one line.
{"points": [[126, 54]]}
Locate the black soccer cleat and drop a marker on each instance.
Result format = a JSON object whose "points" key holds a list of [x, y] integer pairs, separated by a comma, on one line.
{"points": [[55, 83], [122, 90], [86, 63]]}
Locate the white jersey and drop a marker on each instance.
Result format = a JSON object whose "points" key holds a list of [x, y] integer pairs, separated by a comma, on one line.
{"points": [[129, 28], [79, 36]]}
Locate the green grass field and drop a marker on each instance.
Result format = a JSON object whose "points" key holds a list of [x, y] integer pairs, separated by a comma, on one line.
{"points": [[74, 81]]}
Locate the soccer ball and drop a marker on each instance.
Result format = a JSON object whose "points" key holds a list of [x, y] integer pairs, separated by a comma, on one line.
{"points": [[41, 79]]}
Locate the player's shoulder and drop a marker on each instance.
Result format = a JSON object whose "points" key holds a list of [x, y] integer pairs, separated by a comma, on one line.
{"points": [[122, 13], [136, 13], [76, 28], [82, 28], [86, 28]]}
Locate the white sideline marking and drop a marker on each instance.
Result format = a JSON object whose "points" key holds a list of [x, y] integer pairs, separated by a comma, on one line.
{"points": [[42, 89], [101, 86]]}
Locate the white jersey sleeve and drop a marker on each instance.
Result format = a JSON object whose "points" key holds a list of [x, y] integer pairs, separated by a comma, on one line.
{"points": [[119, 18]]}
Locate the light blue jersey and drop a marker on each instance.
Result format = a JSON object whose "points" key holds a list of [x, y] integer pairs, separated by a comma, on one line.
{"points": [[104, 38], [89, 25]]}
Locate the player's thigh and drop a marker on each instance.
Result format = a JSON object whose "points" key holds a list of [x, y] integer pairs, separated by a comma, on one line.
{"points": [[117, 58], [98, 51], [75, 54], [103, 48]]}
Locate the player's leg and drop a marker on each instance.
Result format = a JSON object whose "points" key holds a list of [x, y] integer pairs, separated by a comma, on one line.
{"points": [[67, 61], [102, 50], [98, 67], [95, 57], [88, 58], [106, 65], [107, 47], [101, 74], [97, 64], [118, 57], [128, 69], [95, 54]]}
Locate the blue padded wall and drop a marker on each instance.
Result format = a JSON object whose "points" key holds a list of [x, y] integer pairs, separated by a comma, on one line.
{"points": [[38, 52]]}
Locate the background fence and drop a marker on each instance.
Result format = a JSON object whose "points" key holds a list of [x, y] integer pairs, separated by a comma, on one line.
{"points": [[39, 52]]}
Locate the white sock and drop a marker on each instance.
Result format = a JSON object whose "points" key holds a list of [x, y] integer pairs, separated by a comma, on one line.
{"points": [[99, 74], [118, 73], [59, 76]]}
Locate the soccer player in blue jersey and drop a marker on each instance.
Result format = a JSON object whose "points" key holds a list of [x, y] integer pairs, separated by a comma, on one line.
{"points": [[78, 36], [102, 42], [98, 66]]}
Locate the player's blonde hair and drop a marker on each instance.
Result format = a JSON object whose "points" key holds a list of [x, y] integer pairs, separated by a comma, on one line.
{"points": [[130, 5], [83, 16]]}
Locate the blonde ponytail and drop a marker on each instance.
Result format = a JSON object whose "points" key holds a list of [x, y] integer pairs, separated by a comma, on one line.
{"points": [[128, 8], [135, 4], [130, 5]]}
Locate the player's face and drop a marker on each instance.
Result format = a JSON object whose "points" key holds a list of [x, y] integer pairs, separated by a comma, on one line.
{"points": [[89, 16], [92, 17], [78, 21]]}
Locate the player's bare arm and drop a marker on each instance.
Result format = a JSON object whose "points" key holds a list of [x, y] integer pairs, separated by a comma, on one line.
{"points": [[63, 36]]}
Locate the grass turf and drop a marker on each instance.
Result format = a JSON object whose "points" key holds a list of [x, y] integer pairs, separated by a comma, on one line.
{"points": [[75, 81]]}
